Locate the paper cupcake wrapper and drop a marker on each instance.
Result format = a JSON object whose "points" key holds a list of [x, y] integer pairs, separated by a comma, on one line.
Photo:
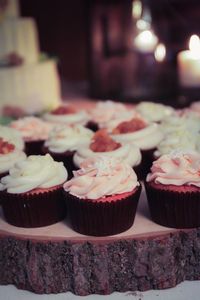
{"points": [[34, 147], [34, 210], [102, 218], [92, 126], [144, 167], [174, 209], [1, 176]]}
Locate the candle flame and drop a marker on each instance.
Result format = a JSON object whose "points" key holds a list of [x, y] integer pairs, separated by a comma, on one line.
{"points": [[136, 9], [146, 41], [194, 45], [160, 52]]}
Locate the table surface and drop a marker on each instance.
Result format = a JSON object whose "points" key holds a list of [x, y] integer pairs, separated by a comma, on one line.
{"points": [[188, 290]]}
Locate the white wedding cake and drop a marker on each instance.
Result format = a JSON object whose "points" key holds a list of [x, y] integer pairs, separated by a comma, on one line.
{"points": [[25, 80]]}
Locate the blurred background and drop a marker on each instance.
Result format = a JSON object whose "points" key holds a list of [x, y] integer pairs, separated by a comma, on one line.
{"points": [[122, 49]]}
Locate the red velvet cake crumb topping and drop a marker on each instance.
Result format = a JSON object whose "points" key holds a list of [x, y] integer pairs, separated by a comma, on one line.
{"points": [[64, 110], [5, 147], [129, 126], [102, 142]]}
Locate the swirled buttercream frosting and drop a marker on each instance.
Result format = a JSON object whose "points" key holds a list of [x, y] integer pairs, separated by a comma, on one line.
{"points": [[154, 112], [177, 168], [13, 136], [32, 128], [128, 153], [183, 140], [100, 177], [67, 116], [109, 114], [9, 155], [146, 138], [68, 138], [35, 172]]}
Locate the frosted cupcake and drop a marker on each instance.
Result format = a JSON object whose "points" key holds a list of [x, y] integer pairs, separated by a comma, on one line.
{"points": [[173, 190], [103, 145], [102, 197], [64, 141], [108, 114], [154, 112], [12, 136], [34, 132], [67, 114], [32, 193], [144, 135]]}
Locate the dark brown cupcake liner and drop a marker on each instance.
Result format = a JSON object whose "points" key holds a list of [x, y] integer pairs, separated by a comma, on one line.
{"points": [[34, 210], [1, 176], [33, 147], [98, 218], [174, 209], [92, 126], [144, 167], [65, 157]]}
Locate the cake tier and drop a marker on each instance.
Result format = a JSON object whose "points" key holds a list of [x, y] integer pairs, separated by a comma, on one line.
{"points": [[19, 35], [34, 87], [56, 259]]}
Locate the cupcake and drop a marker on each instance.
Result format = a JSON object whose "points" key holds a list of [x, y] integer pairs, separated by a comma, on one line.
{"points": [[108, 114], [102, 197], [144, 135], [64, 141], [173, 190], [67, 114], [32, 194], [12, 136], [103, 145], [34, 131]]}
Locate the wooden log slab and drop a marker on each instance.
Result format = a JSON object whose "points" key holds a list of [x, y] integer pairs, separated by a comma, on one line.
{"points": [[55, 259]]}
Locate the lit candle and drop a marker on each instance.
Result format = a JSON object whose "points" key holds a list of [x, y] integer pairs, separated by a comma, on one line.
{"points": [[146, 41], [189, 64], [160, 53]]}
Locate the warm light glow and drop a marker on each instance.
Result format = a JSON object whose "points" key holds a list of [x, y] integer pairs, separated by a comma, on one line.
{"points": [[146, 41], [194, 45], [160, 52], [137, 9]]}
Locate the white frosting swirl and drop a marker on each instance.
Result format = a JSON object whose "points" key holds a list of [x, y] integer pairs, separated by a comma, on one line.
{"points": [[36, 171], [12, 136], [127, 153], [32, 128], [81, 117], [178, 140], [154, 112], [184, 122], [68, 138], [100, 177], [176, 168], [146, 138], [9, 159]]}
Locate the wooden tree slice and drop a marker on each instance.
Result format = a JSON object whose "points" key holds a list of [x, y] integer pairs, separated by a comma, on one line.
{"points": [[56, 259]]}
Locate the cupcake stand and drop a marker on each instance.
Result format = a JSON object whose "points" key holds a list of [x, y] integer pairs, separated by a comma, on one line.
{"points": [[55, 259]]}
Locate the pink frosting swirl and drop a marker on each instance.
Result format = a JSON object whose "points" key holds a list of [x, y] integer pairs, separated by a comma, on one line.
{"points": [[100, 177], [176, 168]]}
